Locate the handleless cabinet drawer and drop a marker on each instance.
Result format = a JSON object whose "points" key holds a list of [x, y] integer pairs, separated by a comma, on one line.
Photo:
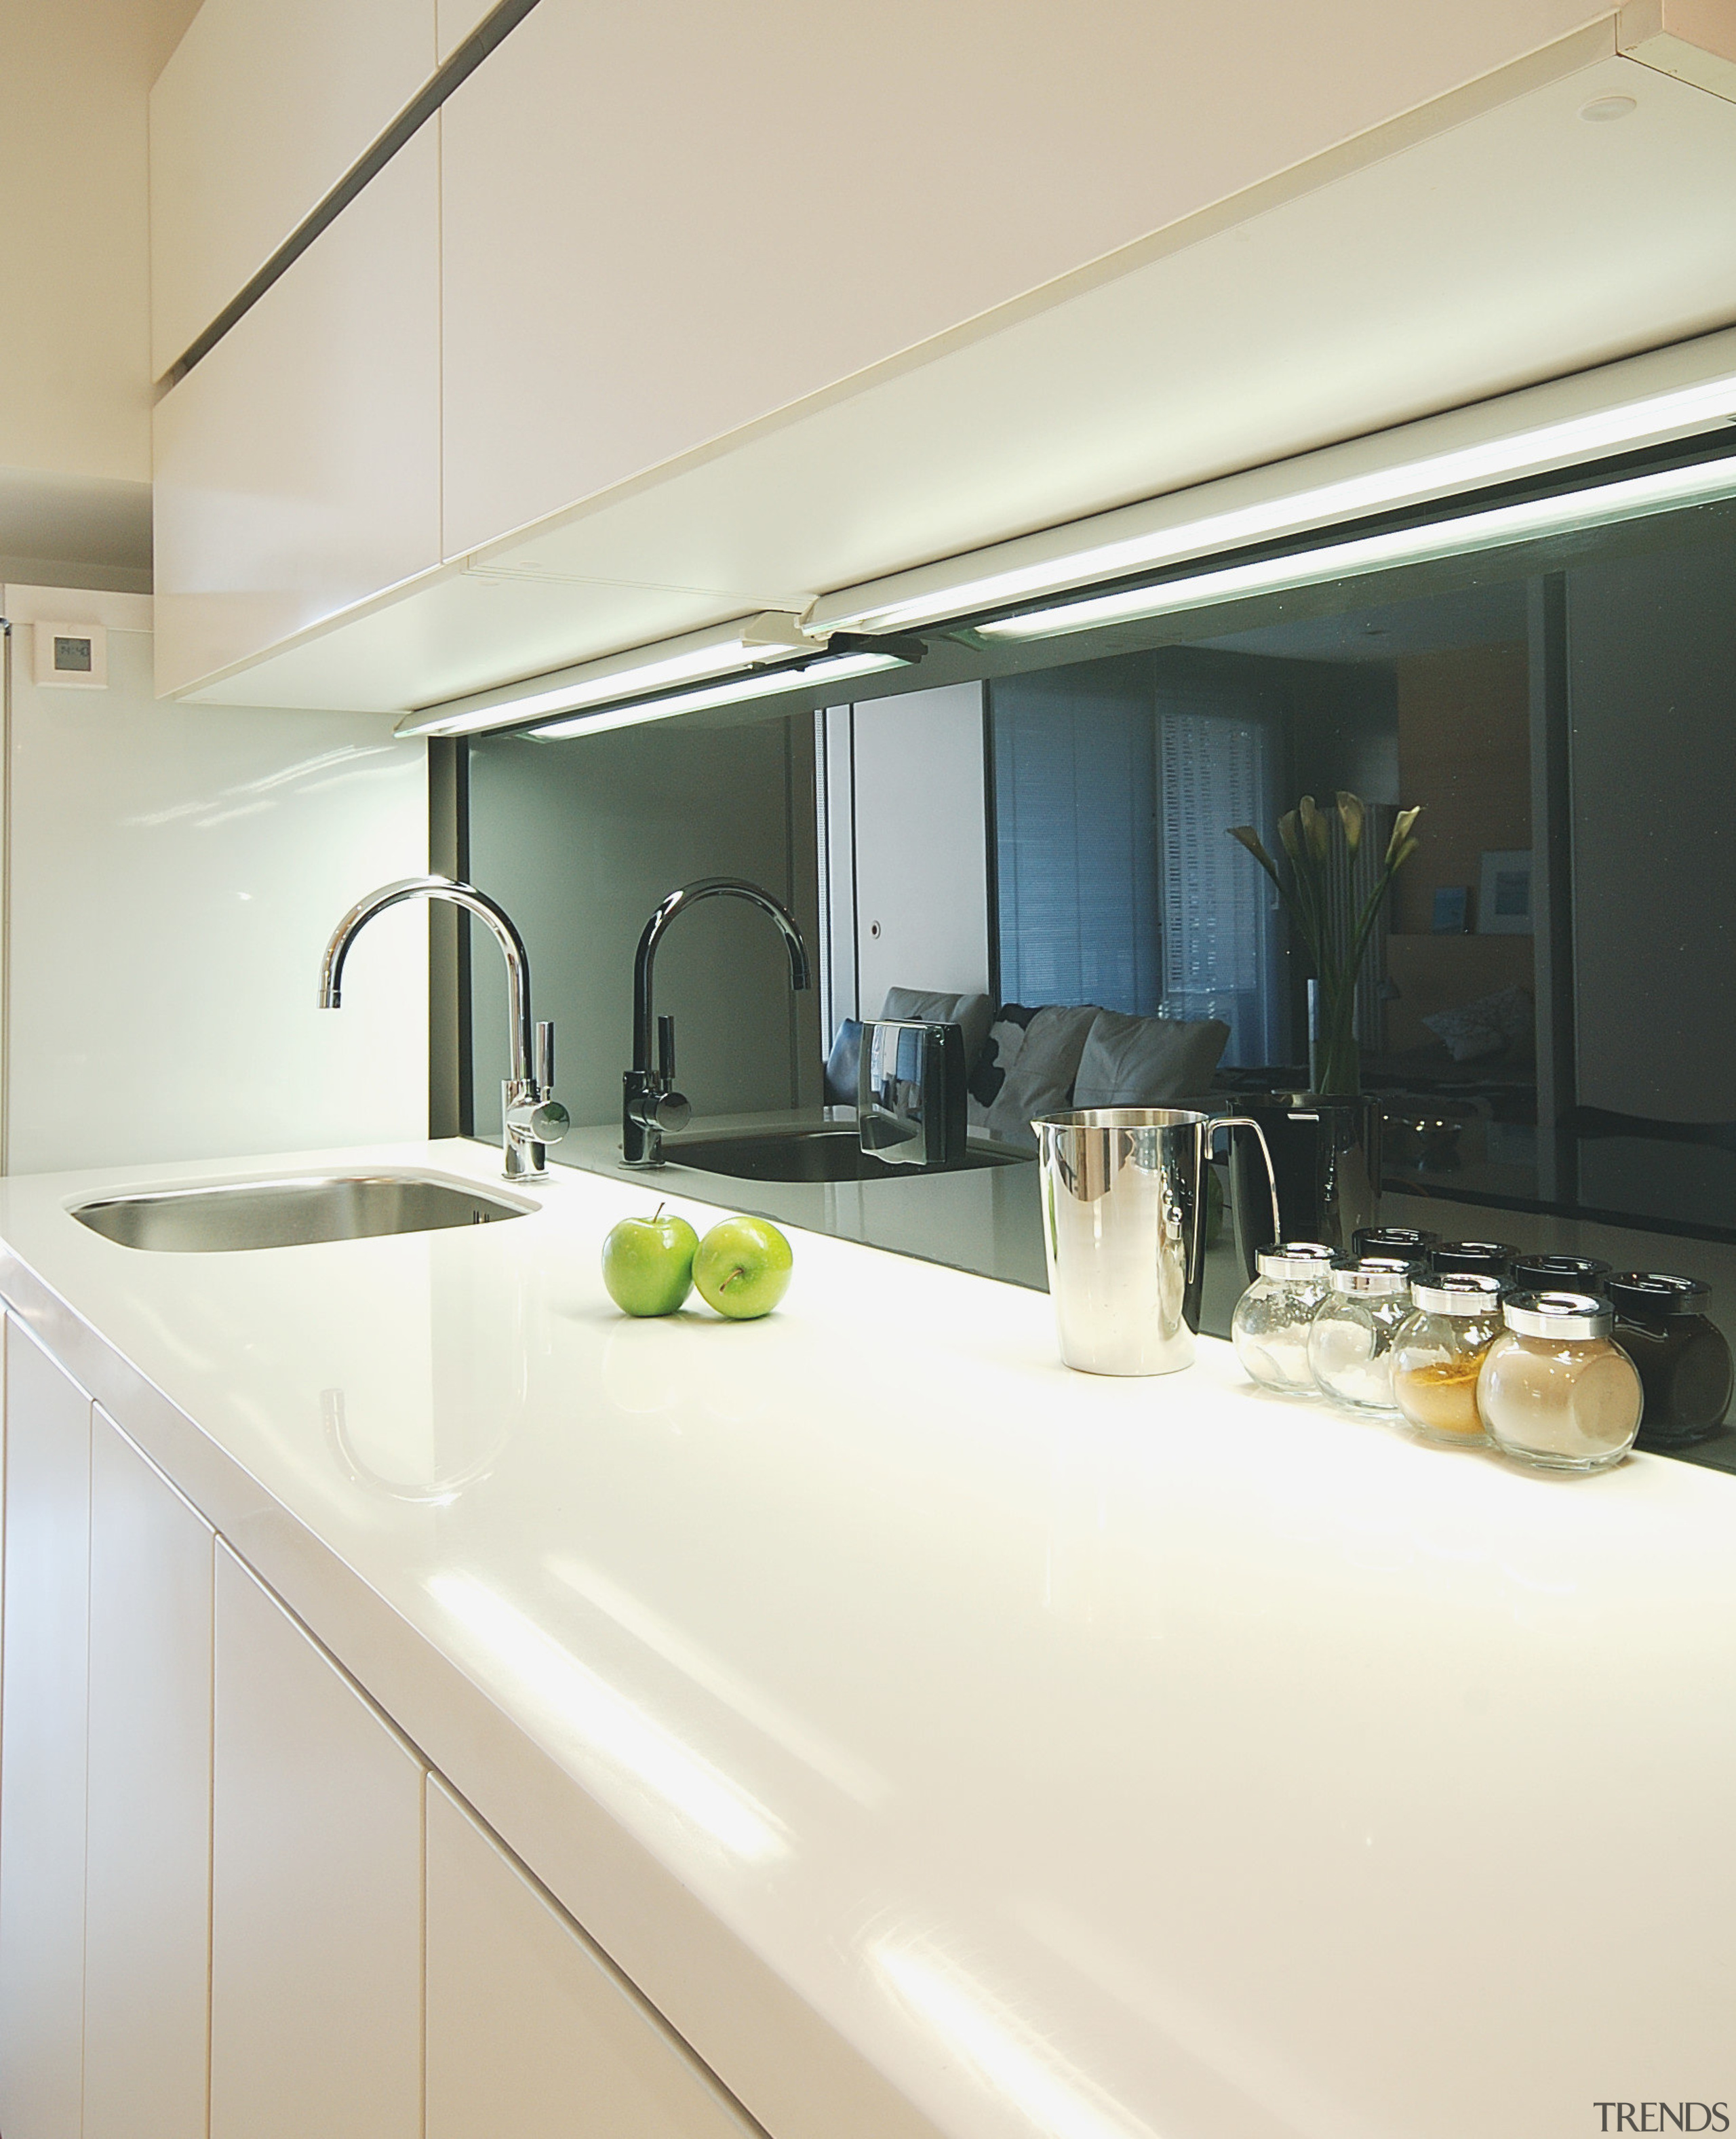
{"points": [[316, 1890], [530, 2030]]}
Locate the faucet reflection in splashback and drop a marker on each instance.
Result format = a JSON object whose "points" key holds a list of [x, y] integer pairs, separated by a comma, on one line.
{"points": [[650, 1104]]}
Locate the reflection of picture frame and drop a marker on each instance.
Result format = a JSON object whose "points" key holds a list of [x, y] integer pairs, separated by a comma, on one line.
{"points": [[1504, 899], [1452, 908]]}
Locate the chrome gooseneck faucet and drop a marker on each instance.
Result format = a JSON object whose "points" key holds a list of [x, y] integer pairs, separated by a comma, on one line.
{"points": [[650, 1103], [531, 1118]]}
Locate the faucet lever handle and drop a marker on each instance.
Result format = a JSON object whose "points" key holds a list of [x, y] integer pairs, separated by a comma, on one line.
{"points": [[544, 1066], [666, 1050]]}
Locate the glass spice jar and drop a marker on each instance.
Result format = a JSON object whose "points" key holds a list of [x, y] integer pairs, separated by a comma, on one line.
{"points": [[1546, 1273], [1269, 1328], [1438, 1352], [1472, 1259], [1410, 1244], [1683, 1356], [1555, 1390], [1350, 1339]]}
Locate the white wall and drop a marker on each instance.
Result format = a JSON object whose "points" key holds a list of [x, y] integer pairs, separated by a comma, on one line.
{"points": [[174, 873]]}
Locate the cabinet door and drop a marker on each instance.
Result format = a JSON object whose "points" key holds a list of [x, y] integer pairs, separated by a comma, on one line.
{"points": [[530, 2030], [297, 466], [316, 1890], [263, 107], [42, 1743], [148, 1845]]}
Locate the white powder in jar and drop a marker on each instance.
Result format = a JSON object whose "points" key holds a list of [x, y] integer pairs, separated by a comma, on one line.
{"points": [[1341, 1352], [1575, 1403]]}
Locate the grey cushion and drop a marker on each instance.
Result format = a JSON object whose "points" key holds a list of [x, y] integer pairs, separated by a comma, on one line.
{"points": [[972, 1013], [844, 1065], [1039, 1080], [1490, 1025], [1147, 1061], [1000, 1051]]}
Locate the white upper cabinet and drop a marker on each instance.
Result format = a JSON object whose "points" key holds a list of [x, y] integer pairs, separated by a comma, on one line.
{"points": [[455, 19], [297, 464], [263, 108], [663, 223]]}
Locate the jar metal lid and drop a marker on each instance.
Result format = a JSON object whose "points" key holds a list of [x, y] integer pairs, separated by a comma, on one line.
{"points": [[1556, 1314], [1543, 1273], [1294, 1259], [1372, 1275], [1410, 1241], [1481, 1257], [1654, 1293], [1457, 1292]]}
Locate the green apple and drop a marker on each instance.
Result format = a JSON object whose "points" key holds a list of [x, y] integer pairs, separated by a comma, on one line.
{"points": [[743, 1268], [648, 1263]]}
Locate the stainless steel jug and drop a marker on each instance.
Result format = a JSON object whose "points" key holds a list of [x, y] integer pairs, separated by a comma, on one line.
{"points": [[1124, 1231]]}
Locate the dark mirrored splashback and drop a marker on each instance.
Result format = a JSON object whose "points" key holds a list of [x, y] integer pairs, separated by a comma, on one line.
{"points": [[1033, 839]]}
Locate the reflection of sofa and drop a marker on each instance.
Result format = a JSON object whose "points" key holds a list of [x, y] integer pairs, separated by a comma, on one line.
{"points": [[1024, 1062]]}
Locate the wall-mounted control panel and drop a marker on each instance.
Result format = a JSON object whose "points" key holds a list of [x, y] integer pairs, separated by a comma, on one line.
{"points": [[74, 654]]}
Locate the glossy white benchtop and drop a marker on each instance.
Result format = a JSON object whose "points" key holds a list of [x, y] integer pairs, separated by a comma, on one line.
{"points": [[947, 1742]]}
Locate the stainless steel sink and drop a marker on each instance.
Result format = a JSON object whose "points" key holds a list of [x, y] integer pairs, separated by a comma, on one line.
{"points": [[291, 1213], [817, 1154]]}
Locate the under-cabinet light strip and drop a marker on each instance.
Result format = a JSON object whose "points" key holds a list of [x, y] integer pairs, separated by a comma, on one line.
{"points": [[1163, 531], [834, 669], [773, 636], [1629, 497]]}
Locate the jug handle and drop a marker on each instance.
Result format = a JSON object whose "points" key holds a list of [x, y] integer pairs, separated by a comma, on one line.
{"points": [[1246, 1122]]}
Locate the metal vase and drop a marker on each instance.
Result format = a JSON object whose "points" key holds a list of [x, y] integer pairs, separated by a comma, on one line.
{"points": [[1326, 1150], [1124, 1232]]}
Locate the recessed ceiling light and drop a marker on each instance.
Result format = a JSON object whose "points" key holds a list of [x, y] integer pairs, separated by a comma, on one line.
{"points": [[1607, 107]]}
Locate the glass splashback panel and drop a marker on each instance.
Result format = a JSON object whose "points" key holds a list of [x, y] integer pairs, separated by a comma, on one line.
{"points": [[1544, 1012]]}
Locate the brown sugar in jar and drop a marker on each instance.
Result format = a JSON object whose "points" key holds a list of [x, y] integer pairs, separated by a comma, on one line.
{"points": [[1437, 1356]]}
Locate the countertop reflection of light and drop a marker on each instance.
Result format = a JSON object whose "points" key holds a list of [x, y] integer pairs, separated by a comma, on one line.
{"points": [[602, 1724], [811, 1747], [1665, 490], [1053, 2095]]}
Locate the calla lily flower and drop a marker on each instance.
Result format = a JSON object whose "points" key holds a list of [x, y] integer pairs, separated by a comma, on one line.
{"points": [[1313, 828], [1255, 845], [1401, 825], [1351, 816], [1289, 838]]}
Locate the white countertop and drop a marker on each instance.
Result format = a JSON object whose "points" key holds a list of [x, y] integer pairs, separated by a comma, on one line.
{"points": [[947, 1742]]}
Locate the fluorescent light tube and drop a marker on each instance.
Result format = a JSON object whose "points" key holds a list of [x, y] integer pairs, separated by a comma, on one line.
{"points": [[772, 636], [927, 595], [1662, 490], [836, 667]]}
